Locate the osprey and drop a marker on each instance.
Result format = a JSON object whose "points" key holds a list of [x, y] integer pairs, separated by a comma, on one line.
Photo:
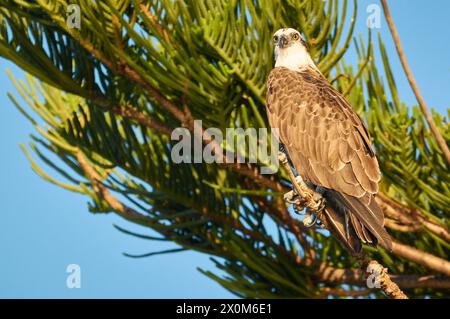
{"points": [[327, 143]]}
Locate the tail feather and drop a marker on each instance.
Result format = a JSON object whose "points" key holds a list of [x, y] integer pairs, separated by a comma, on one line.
{"points": [[340, 229], [356, 222]]}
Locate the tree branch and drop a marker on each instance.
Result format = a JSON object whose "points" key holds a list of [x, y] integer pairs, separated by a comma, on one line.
{"points": [[374, 268], [413, 218], [394, 225], [142, 118], [428, 260], [99, 188]]}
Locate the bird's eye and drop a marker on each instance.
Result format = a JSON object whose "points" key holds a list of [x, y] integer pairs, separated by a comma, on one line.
{"points": [[295, 36], [275, 38]]}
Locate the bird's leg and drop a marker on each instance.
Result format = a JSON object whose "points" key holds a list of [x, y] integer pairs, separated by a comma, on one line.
{"points": [[309, 221], [312, 194], [292, 197], [304, 194], [318, 198]]}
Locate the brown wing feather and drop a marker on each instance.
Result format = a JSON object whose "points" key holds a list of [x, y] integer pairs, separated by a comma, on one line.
{"points": [[329, 133]]}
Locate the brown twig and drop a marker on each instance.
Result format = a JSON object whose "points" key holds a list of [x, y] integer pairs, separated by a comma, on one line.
{"points": [[253, 172], [142, 118], [428, 260], [145, 10], [409, 228], [340, 75], [281, 213], [410, 217], [401, 54], [100, 189]]}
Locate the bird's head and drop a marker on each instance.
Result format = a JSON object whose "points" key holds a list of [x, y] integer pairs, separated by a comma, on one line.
{"points": [[291, 49]]}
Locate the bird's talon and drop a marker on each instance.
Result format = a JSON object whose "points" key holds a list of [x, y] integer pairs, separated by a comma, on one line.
{"points": [[294, 199], [319, 204], [310, 220], [298, 207], [290, 197]]}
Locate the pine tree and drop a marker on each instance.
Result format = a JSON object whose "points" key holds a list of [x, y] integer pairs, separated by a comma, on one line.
{"points": [[105, 98]]}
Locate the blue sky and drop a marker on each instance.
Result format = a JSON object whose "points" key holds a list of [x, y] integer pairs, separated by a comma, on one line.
{"points": [[45, 228]]}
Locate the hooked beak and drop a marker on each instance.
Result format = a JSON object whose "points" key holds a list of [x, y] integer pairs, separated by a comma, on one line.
{"points": [[283, 41]]}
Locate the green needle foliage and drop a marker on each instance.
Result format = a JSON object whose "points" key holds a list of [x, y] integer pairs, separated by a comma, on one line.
{"points": [[104, 99]]}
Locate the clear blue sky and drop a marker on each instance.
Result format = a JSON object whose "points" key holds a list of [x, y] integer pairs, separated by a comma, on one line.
{"points": [[44, 228]]}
